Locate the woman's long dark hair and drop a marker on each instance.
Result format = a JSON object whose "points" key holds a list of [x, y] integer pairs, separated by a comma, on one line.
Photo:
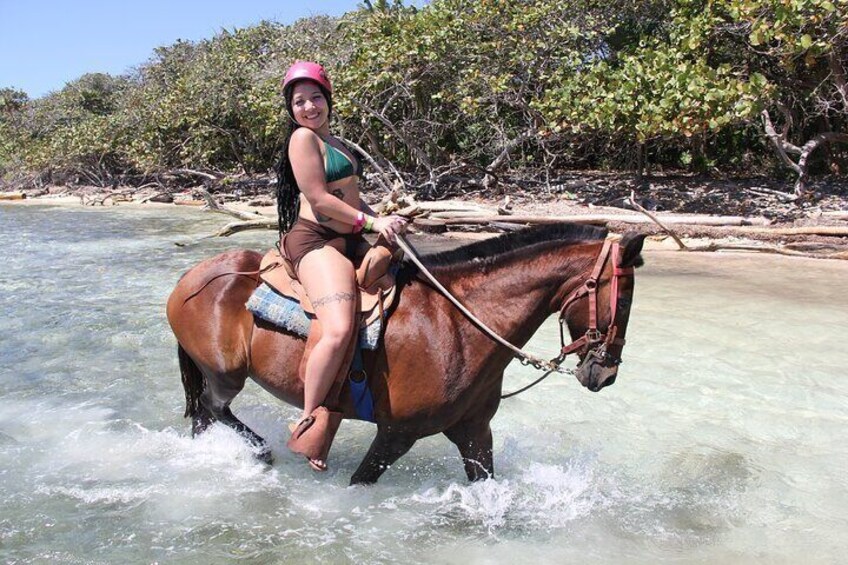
{"points": [[288, 193]]}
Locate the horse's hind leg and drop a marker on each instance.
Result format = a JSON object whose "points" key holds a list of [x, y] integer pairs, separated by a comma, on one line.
{"points": [[200, 420], [208, 397], [219, 392], [385, 450], [474, 441]]}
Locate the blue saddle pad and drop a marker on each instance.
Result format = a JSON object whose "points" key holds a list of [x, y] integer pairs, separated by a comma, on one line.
{"points": [[282, 311]]}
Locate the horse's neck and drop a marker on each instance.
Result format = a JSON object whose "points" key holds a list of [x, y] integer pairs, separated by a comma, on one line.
{"points": [[514, 297]]}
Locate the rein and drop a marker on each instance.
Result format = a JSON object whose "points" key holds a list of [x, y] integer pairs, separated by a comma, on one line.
{"points": [[526, 358], [603, 345]]}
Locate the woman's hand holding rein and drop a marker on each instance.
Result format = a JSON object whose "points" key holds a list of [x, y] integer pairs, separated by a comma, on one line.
{"points": [[387, 226]]}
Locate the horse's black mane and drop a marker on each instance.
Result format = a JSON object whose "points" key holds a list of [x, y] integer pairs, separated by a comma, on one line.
{"points": [[491, 249]]}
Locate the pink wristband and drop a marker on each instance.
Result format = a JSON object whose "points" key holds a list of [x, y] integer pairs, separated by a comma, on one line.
{"points": [[360, 222]]}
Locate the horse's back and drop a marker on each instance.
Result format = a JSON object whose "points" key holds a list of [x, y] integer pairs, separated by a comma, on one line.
{"points": [[206, 309]]}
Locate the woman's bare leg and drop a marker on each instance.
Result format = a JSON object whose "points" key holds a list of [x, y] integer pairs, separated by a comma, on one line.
{"points": [[328, 278]]}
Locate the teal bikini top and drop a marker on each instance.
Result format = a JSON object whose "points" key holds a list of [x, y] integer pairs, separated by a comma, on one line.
{"points": [[338, 166]]}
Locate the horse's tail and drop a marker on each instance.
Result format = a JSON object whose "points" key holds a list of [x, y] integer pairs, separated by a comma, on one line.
{"points": [[192, 382]]}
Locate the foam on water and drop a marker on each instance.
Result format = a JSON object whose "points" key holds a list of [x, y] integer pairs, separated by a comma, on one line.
{"points": [[543, 497]]}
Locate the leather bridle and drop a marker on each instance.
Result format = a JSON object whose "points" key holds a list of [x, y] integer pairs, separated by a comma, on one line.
{"points": [[607, 346]]}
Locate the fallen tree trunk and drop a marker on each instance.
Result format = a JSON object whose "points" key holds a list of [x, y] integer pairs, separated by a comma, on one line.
{"points": [[836, 231], [192, 172], [715, 246], [602, 219], [773, 249], [235, 227], [221, 209], [449, 206], [467, 213]]}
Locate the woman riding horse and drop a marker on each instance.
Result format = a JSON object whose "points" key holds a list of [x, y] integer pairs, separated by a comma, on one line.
{"points": [[435, 371], [321, 220]]}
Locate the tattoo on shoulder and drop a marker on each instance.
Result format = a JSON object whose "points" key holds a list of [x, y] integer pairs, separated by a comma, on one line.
{"points": [[337, 297]]}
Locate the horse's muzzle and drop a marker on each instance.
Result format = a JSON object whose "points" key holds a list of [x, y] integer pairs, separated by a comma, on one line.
{"points": [[597, 371]]}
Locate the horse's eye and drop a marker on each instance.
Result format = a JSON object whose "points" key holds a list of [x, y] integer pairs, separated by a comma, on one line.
{"points": [[623, 303]]}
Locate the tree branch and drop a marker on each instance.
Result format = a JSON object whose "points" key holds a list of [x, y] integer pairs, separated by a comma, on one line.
{"points": [[510, 146], [201, 174], [779, 143], [835, 64], [215, 207], [382, 177], [639, 207], [419, 153]]}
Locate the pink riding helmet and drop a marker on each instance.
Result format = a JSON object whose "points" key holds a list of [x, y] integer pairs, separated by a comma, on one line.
{"points": [[307, 70]]}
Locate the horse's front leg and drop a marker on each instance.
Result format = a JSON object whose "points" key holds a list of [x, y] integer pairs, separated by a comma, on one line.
{"points": [[474, 440], [472, 435], [386, 448]]}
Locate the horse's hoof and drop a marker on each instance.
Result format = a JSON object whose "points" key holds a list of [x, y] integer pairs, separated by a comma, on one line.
{"points": [[265, 456], [362, 481]]}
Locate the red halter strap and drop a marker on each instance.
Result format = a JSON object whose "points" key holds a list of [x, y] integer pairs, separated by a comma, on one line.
{"points": [[590, 288]]}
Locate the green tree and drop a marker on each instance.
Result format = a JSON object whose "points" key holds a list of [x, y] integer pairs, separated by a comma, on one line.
{"points": [[801, 47]]}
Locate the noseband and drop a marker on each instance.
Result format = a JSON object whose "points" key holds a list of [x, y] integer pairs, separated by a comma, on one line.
{"points": [[607, 346]]}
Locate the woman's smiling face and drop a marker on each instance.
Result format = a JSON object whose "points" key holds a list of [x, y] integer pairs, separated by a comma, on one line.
{"points": [[309, 106]]}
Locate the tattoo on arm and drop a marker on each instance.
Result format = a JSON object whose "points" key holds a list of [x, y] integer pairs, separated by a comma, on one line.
{"points": [[322, 219], [337, 297]]}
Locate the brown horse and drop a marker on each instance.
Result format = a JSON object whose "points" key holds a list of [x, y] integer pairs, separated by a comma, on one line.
{"points": [[436, 371]]}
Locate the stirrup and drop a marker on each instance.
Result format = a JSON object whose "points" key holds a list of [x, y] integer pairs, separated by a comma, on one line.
{"points": [[313, 436]]}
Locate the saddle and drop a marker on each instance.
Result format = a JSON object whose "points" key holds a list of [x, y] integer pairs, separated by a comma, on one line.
{"points": [[376, 290]]}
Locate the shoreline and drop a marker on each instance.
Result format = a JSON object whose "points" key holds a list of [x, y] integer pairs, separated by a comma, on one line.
{"points": [[699, 238]]}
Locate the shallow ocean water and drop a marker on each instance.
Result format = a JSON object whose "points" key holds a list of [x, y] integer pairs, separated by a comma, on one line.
{"points": [[721, 441]]}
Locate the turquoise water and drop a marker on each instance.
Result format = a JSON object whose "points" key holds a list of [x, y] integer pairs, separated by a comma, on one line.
{"points": [[722, 440]]}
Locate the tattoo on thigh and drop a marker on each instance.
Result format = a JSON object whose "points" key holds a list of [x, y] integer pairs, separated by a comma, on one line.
{"points": [[337, 297]]}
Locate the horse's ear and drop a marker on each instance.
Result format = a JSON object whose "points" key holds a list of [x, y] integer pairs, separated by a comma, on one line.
{"points": [[631, 247]]}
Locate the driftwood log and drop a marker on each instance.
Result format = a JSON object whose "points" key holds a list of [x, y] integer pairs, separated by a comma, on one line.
{"points": [[213, 206], [836, 215], [437, 217], [760, 248], [835, 231], [600, 219]]}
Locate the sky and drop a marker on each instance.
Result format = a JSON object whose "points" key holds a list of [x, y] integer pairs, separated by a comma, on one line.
{"points": [[44, 44]]}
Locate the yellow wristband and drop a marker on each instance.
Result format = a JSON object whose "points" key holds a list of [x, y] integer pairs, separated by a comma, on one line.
{"points": [[369, 223]]}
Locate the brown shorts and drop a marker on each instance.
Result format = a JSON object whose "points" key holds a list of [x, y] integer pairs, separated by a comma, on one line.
{"points": [[306, 236]]}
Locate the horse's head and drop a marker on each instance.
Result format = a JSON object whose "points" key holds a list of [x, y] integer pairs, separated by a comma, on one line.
{"points": [[597, 312]]}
